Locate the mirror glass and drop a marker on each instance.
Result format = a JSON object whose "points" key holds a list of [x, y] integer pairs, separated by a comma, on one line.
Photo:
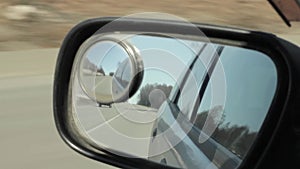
{"points": [[197, 105]]}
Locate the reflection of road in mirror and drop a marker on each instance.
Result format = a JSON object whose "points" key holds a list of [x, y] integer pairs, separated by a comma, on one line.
{"points": [[108, 126], [102, 87]]}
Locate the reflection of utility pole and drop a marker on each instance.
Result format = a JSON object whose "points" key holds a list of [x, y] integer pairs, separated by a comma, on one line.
{"points": [[233, 144]]}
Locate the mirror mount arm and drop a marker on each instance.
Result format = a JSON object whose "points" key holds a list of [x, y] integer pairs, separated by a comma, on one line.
{"points": [[283, 17]]}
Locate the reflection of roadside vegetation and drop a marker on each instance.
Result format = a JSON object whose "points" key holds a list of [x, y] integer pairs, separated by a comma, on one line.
{"points": [[237, 139], [144, 98]]}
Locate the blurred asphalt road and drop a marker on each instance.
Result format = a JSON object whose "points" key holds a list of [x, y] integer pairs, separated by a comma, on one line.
{"points": [[28, 137]]}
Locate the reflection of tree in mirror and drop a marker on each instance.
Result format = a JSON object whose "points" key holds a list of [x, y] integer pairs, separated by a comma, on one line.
{"points": [[100, 71], [237, 139], [212, 118], [149, 89]]}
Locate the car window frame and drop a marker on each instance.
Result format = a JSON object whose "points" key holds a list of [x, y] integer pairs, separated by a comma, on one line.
{"points": [[205, 79]]}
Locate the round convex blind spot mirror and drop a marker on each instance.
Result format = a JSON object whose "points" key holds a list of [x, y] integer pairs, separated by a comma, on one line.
{"points": [[108, 70]]}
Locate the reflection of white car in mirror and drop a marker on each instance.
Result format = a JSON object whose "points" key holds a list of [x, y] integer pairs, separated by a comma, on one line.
{"points": [[121, 78]]}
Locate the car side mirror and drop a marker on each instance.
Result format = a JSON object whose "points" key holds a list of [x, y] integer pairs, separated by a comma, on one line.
{"points": [[143, 93]]}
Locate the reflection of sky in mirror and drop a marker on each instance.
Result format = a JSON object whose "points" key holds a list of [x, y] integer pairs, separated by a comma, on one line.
{"points": [[164, 58], [184, 50], [107, 55]]}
